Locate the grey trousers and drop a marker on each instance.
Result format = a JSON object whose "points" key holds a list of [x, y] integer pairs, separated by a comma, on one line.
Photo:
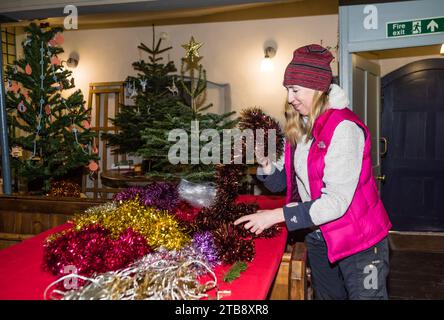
{"points": [[361, 276]]}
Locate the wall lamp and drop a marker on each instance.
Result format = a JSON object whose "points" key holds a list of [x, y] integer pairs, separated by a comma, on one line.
{"points": [[267, 64], [72, 61]]}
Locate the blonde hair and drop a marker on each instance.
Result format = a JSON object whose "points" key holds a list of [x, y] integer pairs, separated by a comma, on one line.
{"points": [[296, 127]]}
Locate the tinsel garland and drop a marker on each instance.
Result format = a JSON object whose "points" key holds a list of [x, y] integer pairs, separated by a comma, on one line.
{"points": [[232, 246], [255, 118], [164, 275], [65, 189], [234, 243], [225, 210], [158, 227], [161, 195], [204, 246], [91, 250]]}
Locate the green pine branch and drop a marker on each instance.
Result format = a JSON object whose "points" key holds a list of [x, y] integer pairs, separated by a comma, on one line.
{"points": [[235, 271]]}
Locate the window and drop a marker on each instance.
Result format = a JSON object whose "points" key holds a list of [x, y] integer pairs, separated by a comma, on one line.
{"points": [[8, 45]]}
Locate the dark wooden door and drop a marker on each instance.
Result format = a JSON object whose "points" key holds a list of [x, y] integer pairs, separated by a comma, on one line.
{"points": [[413, 123]]}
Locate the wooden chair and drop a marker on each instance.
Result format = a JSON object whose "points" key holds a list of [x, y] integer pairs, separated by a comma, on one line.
{"points": [[104, 101]]}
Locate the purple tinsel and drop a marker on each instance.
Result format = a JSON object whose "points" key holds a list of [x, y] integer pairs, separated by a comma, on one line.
{"points": [[162, 195], [203, 243], [128, 194]]}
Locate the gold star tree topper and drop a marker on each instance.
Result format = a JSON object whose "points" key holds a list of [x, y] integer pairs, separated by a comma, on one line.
{"points": [[192, 54]]}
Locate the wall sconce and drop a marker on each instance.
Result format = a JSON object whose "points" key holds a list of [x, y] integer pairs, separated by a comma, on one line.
{"points": [[72, 61], [267, 64]]}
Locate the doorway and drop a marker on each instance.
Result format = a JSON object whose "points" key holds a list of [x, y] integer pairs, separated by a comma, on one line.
{"points": [[412, 136]]}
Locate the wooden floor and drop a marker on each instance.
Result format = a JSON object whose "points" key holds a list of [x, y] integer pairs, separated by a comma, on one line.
{"points": [[416, 267]]}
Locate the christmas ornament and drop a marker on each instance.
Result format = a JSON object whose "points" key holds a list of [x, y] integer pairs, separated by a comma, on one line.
{"points": [[86, 124], [28, 69], [17, 152], [48, 110], [21, 107], [93, 166], [55, 60], [192, 53], [14, 87], [143, 83], [26, 94], [173, 89], [59, 38]]}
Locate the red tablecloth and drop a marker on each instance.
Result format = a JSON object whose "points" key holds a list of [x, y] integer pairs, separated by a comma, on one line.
{"points": [[21, 276]]}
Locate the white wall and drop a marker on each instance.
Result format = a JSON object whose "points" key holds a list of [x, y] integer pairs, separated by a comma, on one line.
{"points": [[232, 54]]}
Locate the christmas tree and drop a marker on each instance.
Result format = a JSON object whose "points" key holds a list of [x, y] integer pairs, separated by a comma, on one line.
{"points": [[152, 91], [49, 134], [192, 119]]}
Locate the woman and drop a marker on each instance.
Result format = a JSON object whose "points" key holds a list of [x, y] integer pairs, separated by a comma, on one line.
{"points": [[330, 187]]}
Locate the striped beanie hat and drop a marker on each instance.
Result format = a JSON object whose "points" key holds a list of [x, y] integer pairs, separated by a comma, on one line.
{"points": [[310, 68]]}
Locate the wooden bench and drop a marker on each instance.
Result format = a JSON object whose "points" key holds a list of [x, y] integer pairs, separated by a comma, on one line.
{"points": [[22, 217]]}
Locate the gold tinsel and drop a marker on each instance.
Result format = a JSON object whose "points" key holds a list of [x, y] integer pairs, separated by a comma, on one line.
{"points": [[158, 227], [65, 189]]}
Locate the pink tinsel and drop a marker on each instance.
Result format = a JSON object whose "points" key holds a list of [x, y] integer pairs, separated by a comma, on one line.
{"points": [[91, 250]]}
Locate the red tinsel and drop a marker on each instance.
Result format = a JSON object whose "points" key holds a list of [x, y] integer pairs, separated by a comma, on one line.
{"points": [[92, 250]]}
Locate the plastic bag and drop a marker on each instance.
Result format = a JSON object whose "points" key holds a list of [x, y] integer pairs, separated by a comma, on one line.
{"points": [[198, 195]]}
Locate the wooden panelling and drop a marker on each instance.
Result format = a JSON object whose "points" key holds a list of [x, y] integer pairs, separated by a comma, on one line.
{"points": [[24, 216]]}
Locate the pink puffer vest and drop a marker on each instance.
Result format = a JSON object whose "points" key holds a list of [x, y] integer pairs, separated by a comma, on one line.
{"points": [[365, 222]]}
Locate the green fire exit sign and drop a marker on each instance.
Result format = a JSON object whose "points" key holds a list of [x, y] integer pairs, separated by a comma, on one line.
{"points": [[415, 27]]}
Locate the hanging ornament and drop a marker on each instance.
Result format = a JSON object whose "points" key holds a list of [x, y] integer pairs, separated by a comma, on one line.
{"points": [[72, 82], [134, 91], [48, 110], [143, 83], [26, 94], [28, 69], [86, 124], [93, 166], [15, 69], [95, 150], [59, 38], [44, 26], [17, 152], [14, 87], [27, 42], [173, 89], [55, 60], [21, 107]]}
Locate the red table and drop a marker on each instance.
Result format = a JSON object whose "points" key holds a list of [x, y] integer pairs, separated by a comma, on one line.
{"points": [[21, 276]]}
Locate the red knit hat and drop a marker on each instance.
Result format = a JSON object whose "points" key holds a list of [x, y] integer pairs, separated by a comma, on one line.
{"points": [[310, 68]]}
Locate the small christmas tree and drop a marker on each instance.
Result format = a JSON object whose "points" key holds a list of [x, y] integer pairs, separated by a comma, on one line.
{"points": [[192, 109], [49, 134], [152, 91]]}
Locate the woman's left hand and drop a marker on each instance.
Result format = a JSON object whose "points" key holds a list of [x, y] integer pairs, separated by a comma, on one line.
{"points": [[261, 220]]}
